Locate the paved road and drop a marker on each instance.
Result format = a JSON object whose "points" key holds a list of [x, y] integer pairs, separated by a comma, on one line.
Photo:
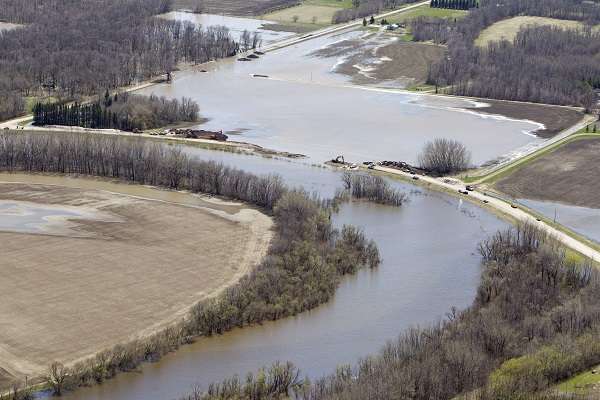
{"points": [[336, 28], [505, 208]]}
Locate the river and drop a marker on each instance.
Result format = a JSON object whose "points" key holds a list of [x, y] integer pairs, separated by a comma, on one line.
{"points": [[429, 245], [430, 263]]}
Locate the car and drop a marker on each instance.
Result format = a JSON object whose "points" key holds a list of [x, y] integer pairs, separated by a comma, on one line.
{"points": [[469, 188], [416, 178], [513, 206]]}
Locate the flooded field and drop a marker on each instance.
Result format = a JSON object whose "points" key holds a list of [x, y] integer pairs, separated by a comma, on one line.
{"points": [[430, 263], [235, 24], [25, 217], [7, 26], [85, 269], [583, 220], [305, 107]]}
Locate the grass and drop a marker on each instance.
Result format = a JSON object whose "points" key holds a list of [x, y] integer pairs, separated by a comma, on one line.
{"points": [[508, 28], [33, 100], [579, 383], [511, 168], [317, 15], [426, 11], [330, 3]]}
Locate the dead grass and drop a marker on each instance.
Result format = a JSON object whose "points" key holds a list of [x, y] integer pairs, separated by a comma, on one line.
{"points": [[305, 13], [508, 28], [569, 175], [65, 298]]}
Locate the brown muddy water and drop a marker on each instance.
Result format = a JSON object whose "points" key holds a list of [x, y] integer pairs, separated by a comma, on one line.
{"points": [[236, 25], [583, 220], [305, 107], [429, 264]]}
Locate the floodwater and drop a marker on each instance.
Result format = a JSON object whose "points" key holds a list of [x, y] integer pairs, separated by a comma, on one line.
{"points": [[582, 220], [24, 217], [305, 107], [7, 26], [236, 25], [430, 264]]}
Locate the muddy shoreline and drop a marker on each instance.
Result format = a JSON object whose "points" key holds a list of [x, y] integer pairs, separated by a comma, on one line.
{"points": [[555, 118]]}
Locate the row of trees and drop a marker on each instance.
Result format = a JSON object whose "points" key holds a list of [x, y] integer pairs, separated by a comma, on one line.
{"points": [[535, 320], [304, 265], [543, 64], [11, 105], [81, 47], [364, 8], [454, 4], [125, 112], [371, 188]]}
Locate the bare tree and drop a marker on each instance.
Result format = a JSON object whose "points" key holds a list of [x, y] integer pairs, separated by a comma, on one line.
{"points": [[444, 156], [56, 377]]}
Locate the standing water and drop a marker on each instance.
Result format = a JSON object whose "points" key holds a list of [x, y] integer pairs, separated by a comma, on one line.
{"points": [[429, 264], [304, 107]]}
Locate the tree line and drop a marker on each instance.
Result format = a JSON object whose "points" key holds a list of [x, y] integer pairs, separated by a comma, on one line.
{"points": [[302, 269], [78, 48], [535, 321], [122, 111], [543, 64], [454, 4], [364, 8]]}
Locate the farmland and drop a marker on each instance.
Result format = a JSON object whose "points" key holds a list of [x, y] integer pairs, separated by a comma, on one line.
{"points": [[125, 267], [508, 28], [567, 175]]}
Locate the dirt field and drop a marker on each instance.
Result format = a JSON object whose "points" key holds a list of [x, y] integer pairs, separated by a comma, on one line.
{"points": [[382, 57], [569, 175], [556, 119], [508, 28], [236, 7], [124, 267]]}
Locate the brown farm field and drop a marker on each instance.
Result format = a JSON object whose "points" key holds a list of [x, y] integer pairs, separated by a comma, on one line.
{"points": [[508, 28], [124, 267], [568, 175]]}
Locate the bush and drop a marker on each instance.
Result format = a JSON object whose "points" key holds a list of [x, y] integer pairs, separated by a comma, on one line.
{"points": [[305, 262], [444, 156], [535, 321], [372, 188]]}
